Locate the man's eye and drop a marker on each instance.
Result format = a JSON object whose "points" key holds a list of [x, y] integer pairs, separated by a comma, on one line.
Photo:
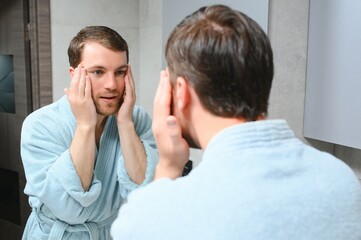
{"points": [[97, 72], [121, 72]]}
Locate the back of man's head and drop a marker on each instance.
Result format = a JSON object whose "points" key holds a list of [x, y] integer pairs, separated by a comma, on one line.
{"points": [[227, 58]]}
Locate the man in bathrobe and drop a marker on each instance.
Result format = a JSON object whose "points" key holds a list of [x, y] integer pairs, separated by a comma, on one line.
{"points": [[86, 152], [256, 180]]}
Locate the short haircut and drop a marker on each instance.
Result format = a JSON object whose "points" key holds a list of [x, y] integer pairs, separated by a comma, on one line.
{"points": [[227, 59], [105, 36]]}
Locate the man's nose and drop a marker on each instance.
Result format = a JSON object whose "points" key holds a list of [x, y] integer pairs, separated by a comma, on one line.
{"points": [[110, 81]]}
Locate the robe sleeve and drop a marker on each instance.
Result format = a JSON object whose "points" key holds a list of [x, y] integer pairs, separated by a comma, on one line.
{"points": [[50, 173], [143, 127]]}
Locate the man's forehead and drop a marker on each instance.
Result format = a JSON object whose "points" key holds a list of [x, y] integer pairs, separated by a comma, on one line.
{"points": [[94, 54], [93, 47]]}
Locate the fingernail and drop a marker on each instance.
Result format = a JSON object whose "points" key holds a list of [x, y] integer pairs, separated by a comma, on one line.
{"points": [[171, 122]]}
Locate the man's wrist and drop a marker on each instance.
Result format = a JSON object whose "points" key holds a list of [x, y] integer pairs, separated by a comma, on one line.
{"points": [[168, 171], [86, 127], [125, 126]]}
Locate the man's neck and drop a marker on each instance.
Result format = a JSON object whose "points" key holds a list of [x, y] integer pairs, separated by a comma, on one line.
{"points": [[101, 120], [212, 125]]}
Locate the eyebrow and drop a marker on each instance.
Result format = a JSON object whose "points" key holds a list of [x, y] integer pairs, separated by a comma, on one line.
{"points": [[102, 67]]}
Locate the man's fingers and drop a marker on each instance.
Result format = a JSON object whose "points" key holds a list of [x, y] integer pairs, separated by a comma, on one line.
{"points": [[130, 76], [159, 88], [174, 129], [129, 90], [75, 79], [163, 96], [88, 93], [81, 85]]}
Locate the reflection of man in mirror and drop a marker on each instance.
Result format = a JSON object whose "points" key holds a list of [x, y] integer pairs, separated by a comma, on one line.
{"points": [[7, 96], [84, 153]]}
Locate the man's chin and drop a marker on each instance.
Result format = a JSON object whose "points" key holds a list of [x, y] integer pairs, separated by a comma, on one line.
{"points": [[107, 111]]}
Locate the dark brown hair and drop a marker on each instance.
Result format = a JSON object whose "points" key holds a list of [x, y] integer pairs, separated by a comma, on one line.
{"points": [[226, 57], [106, 36]]}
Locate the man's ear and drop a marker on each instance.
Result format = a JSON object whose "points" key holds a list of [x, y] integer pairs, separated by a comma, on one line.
{"points": [[71, 71], [182, 93]]}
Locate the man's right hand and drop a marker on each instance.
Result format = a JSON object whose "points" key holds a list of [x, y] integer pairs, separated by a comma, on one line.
{"points": [[82, 147], [80, 98], [172, 147]]}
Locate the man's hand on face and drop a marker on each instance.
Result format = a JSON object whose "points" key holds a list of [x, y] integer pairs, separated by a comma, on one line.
{"points": [[172, 147], [80, 98], [125, 113]]}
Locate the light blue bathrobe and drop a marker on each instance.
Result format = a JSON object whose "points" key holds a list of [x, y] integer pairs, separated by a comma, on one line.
{"points": [[256, 181], [60, 207]]}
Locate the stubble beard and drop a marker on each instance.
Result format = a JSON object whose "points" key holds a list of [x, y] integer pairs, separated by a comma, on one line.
{"points": [[108, 109], [184, 129], [190, 141]]}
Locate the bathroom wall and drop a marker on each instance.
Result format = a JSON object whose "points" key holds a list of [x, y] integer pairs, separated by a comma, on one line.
{"points": [[141, 23], [68, 17], [288, 31]]}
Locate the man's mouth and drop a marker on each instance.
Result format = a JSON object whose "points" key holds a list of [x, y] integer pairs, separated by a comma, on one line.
{"points": [[108, 98]]}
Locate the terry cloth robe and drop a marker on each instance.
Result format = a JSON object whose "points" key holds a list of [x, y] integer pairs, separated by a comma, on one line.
{"points": [[61, 209], [256, 181]]}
